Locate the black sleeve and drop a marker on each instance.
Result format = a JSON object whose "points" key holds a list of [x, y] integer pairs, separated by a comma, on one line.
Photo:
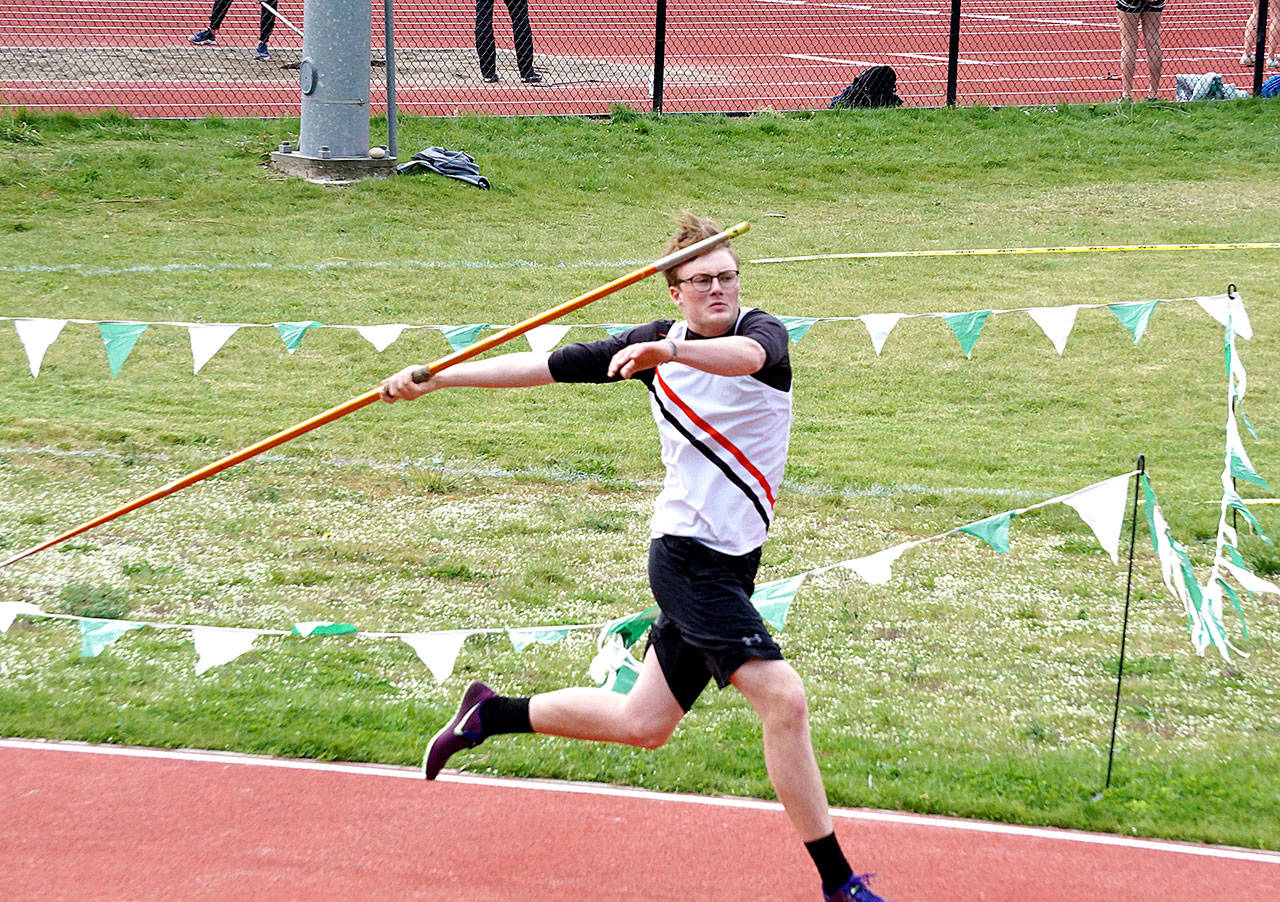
{"points": [[770, 334], [588, 361]]}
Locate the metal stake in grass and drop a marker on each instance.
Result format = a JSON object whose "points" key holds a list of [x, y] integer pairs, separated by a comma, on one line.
{"points": [[421, 375]]}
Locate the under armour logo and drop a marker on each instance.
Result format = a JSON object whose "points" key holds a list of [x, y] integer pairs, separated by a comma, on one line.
{"points": [[756, 639]]}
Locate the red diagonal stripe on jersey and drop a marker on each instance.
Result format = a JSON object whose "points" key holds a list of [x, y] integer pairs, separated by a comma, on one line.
{"points": [[719, 439]]}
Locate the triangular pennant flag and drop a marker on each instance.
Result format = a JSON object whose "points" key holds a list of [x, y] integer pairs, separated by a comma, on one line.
{"points": [[1247, 425], [439, 651], [95, 635], [11, 609], [614, 329], [323, 628], [120, 339], [876, 568], [207, 340], [1235, 501], [773, 600], [967, 326], [630, 627], [1231, 550], [36, 335], [1251, 581], [993, 530], [613, 667], [1226, 308], [217, 645], [523, 637], [1056, 323], [1235, 603], [543, 338], [879, 325], [1101, 506], [381, 337], [1134, 317], [460, 337], [1238, 463], [797, 326], [1235, 367], [292, 333]]}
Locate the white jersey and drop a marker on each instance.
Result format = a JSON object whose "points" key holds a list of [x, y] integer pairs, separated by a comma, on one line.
{"points": [[724, 446]]}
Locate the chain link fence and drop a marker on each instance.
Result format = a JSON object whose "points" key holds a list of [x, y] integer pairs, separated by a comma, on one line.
{"points": [[672, 55]]}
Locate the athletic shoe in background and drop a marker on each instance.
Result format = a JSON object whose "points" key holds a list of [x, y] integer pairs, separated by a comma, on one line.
{"points": [[261, 53], [203, 37]]}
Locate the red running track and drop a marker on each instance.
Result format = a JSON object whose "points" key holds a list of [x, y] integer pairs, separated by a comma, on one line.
{"points": [[105, 822]]}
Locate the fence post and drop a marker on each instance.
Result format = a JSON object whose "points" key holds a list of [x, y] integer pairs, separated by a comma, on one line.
{"points": [[1260, 48], [659, 53], [390, 53], [953, 53]]}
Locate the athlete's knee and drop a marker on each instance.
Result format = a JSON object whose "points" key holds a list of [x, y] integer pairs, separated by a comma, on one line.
{"points": [[650, 732], [781, 700]]}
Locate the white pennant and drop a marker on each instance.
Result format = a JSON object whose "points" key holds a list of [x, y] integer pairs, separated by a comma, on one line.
{"points": [[207, 340], [381, 337], [36, 336], [1056, 323], [217, 645], [877, 568], [1251, 581], [543, 338], [879, 325], [1236, 446], [11, 609], [439, 651], [1101, 506], [1223, 307]]}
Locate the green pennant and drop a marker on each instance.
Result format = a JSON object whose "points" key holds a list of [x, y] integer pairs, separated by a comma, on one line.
{"points": [[1149, 510], [1134, 317], [967, 326], [797, 326], [623, 680], [632, 626], [95, 635], [615, 330], [773, 600], [1241, 470], [324, 628], [1235, 501], [1235, 603], [993, 530], [292, 333], [522, 637], [1234, 554], [120, 339], [460, 337], [1247, 425]]}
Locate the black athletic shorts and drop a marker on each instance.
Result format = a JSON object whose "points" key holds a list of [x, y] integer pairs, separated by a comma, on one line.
{"points": [[1138, 7], [708, 626]]}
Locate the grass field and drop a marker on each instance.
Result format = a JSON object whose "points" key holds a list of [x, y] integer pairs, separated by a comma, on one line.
{"points": [[973, 683]]}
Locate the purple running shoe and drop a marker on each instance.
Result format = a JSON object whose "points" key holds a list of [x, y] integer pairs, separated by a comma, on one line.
{"points": [[463, 732], [855, 890]]}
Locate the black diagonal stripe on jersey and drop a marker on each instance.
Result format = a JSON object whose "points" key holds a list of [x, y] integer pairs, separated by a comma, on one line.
{"points": [[711, 456]]}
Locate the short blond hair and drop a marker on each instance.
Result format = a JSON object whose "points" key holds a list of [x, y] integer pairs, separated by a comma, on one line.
{"points": [[690, 229]]}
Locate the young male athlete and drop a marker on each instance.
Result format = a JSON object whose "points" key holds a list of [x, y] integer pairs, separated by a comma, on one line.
{"points": [[720, 391]]}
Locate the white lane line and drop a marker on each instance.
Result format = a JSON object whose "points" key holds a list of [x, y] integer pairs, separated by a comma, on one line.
{"points": [[827, 59], [596, 789]]}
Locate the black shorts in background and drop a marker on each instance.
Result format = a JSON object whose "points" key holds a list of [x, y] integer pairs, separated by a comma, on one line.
{"points": [[708, 626]]}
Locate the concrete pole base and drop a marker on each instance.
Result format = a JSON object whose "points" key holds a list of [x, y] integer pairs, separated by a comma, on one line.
{"points": [[332, 171]]}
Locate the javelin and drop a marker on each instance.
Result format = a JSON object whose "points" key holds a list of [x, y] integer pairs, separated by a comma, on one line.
{"points": [[275, 12], [420, 375], [994, 251]]}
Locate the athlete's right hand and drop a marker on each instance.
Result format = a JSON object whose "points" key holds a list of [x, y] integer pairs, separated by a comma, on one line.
{"points": [[401, 386]]}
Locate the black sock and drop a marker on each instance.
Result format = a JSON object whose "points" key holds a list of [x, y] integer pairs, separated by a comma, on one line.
{"points": [[832, 866], [505, 715]]}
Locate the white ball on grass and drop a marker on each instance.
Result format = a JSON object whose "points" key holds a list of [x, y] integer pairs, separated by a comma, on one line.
{"points": [[377, 153]]}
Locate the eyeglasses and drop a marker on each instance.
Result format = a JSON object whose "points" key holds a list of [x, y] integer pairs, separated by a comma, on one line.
{"points": [[702, 281]]}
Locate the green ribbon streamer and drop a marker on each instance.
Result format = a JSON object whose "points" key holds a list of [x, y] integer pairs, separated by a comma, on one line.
{"points": [[292, 333], [1234, 554], [1235, 501], [1134, 317], [616, 330], [797, 326], [1241, 470], [96, 635], [966, 327], [1235, 603], [993, 530], [773, 600], [120, 339], [1149, 508], [460, 337], [328, 629], [1247, 425], [632, 626]]}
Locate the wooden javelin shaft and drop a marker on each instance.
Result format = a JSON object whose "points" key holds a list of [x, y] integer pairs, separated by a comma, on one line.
{"points": [[420, 375]]}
